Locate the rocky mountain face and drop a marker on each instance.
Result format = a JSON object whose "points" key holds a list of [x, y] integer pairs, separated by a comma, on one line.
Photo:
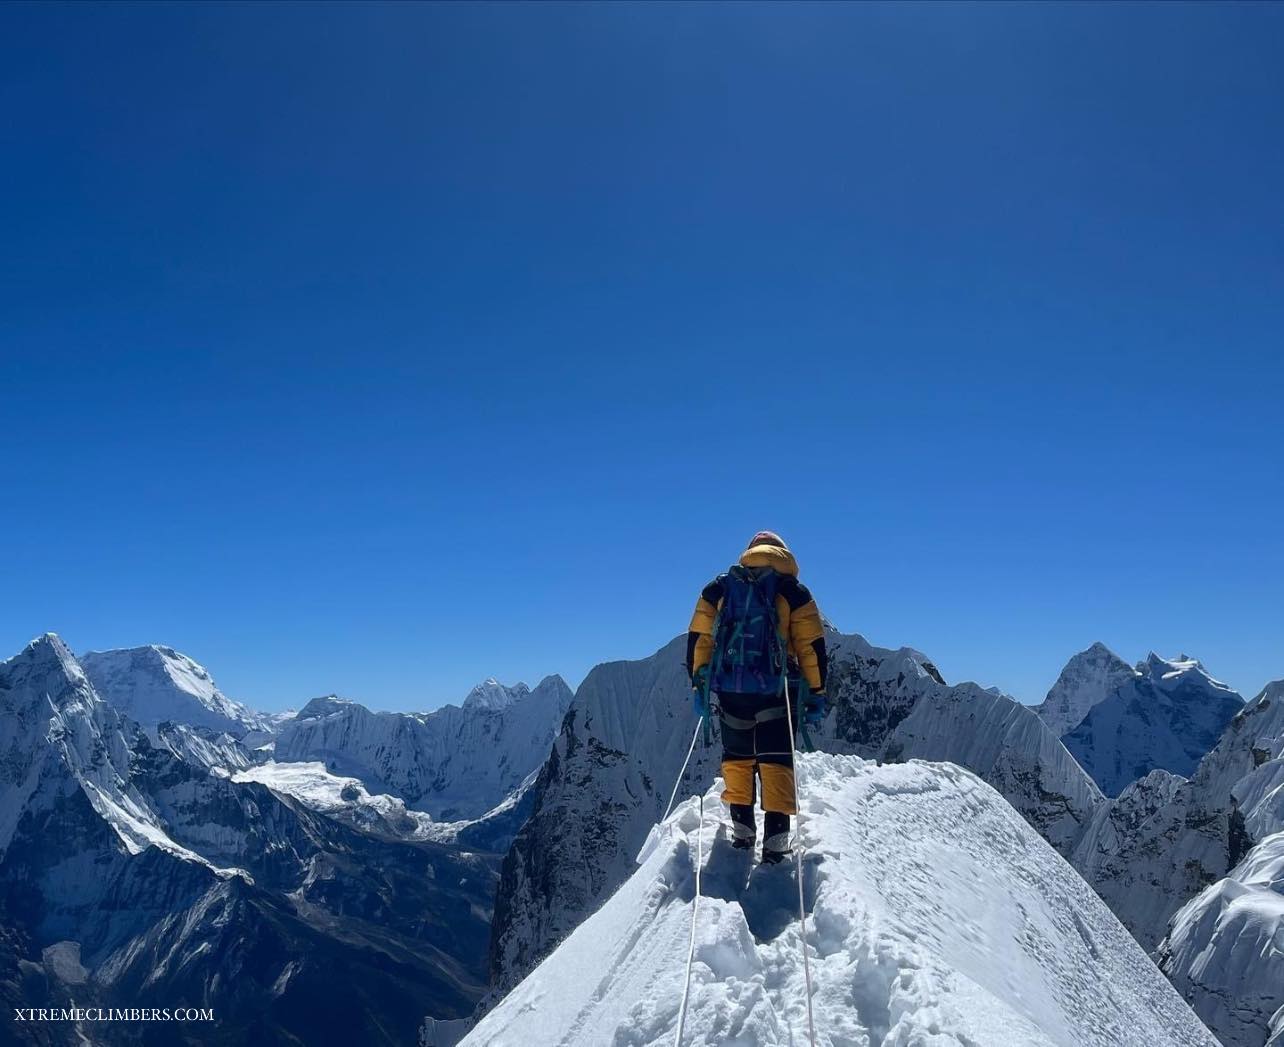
{"points": [[936, 915], [1090, 677], [1194, 868], [1225, 947], [606, 781], [1167, 717], [612, 769], [131, 874], [1151, 847], [455, 763]]}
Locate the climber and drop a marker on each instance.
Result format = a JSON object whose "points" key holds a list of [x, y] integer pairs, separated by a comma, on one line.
{"points": [[756, 630]]}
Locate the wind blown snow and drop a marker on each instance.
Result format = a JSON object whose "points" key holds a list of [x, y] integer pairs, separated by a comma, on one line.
{"points": [[937, 918]]}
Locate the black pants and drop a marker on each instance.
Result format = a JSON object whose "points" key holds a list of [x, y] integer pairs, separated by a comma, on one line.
{"points": [[755, 746]]}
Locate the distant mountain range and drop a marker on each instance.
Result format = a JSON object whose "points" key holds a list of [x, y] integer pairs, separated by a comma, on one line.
{"points": [[165, 862], [340, 875]]}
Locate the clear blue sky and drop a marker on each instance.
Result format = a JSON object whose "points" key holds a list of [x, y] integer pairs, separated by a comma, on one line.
{"points": [[381, 349]]}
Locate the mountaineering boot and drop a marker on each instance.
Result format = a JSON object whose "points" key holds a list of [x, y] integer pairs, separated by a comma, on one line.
{"points": [[743, 832], [775, 837]]}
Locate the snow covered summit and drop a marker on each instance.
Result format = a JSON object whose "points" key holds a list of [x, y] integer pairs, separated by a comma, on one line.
{"points": [[154, 684], [1089, 677], [1168, 717], [936, 916], [492, 695]]}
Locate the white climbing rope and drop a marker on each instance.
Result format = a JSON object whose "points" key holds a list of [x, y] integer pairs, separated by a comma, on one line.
{"points": [[695, 910], [798, 860], [682, 773], [695, 907]]}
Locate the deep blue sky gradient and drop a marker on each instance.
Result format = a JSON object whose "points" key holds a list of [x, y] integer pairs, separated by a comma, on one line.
{"points": [[377, 349]]}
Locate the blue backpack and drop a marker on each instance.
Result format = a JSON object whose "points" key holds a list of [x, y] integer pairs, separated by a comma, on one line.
{"points": [[747, 654]]}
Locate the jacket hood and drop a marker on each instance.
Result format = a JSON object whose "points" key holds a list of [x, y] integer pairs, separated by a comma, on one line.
{"points": [[770, 556]]}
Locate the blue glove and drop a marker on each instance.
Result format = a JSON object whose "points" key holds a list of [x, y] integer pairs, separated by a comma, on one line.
{"points": [[700, 692], [816, 708]]}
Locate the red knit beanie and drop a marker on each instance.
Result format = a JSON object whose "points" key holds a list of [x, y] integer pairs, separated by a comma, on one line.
{"points": [[767, 538]]}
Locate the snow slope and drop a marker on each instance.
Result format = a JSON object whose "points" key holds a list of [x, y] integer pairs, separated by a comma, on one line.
{"points": [[1009, 746], [1168, 717], [1225, 950], [1089, 677], [937, 917]]}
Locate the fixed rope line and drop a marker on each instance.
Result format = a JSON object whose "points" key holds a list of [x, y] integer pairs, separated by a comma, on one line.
{"points": [[695, 910], [682, 773], [798, 860], [695, 907]]}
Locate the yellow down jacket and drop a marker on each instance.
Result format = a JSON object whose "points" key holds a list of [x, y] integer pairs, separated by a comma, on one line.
{"points": [[801, 630]]}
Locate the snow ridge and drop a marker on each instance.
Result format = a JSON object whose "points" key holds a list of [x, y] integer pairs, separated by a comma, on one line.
{"points": [[939, 917], [622, 744]]}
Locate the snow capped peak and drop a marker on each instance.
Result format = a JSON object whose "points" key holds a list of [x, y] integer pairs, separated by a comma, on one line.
{"points": [[46, 644], [49, 648], [1088, 678], [47, 671], [154, 684], [492, 695], [1168, 715], [324, 706], [1172, 672]]}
